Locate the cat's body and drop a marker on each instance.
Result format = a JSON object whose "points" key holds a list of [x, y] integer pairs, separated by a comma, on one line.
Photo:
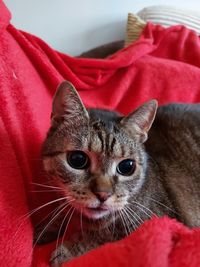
{"points": [[174, 142], [124, 178]]}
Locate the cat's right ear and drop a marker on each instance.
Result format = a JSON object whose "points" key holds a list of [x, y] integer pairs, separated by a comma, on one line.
{"points": [[67, 104]]}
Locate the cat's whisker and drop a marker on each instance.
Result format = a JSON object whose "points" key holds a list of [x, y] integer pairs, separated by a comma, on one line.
{"points": [[23, 218], [43, 206], [71, 215], [110, 226], [131, 219], [56, 214], [160, 203], [52, 213], [44, 191], [48, 186], [113, 222], [119, 212], [123, 222], [48, 224], [61, 225], [150, 214], [127, 220], [146, 212], [134, 213]]}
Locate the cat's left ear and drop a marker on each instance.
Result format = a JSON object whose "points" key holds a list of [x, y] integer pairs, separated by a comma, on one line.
{"points": [[67, 103], [139, 122]]}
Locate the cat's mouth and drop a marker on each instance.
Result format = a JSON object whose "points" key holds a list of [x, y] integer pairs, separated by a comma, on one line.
{"points": [[96, 212]]}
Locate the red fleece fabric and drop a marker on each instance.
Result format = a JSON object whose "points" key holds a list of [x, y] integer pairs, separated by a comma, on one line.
{"points": [[163, 64]]}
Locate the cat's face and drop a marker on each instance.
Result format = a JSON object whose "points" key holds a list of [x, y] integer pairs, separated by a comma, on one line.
{"points": [[97, 160]]}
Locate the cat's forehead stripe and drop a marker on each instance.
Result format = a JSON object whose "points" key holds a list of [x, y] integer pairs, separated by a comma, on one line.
{"points": [[101, 141], [112, 143]]}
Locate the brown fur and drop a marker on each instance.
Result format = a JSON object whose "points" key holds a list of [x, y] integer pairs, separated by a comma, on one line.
{"points": [[166, 176]]}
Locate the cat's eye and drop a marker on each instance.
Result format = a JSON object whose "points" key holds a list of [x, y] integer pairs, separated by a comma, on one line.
{"points": [[126, 167], [78, 159]]}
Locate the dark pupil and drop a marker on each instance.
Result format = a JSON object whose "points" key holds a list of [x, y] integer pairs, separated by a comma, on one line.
{"points": [[78, 159], [126, 167]]}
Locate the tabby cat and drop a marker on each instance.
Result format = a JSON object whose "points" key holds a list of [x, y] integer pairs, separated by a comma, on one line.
{"points": [[116, 171]]}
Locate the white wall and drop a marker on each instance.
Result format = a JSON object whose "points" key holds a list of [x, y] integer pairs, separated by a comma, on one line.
{"points": [[74, 26]]}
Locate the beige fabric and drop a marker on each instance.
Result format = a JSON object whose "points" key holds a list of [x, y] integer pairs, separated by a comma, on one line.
{"points": [[164, 15], [135, 26], [169, 15]]}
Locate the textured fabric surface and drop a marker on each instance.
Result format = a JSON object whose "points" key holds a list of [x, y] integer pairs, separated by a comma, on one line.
{"points": [[157, 243], [163, 64], [134, 28], [169, 16]]}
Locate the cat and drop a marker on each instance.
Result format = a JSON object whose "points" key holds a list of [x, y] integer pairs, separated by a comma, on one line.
{"points": [[117, 171]]}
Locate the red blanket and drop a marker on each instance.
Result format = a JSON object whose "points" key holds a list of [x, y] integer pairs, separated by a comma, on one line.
{"points": [[163, 64]]}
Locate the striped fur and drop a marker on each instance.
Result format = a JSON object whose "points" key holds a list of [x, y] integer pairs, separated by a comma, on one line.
{"points": [[165, 180]]}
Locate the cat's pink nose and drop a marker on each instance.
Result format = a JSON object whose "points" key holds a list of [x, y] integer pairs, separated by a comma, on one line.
{"points": [[102, 196]]}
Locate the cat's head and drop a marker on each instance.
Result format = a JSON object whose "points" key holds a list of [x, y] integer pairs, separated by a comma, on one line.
{"points": [[96, 157]]}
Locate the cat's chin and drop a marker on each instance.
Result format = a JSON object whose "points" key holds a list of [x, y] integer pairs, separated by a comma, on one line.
{"points": [[94, 223], [94, 219]]}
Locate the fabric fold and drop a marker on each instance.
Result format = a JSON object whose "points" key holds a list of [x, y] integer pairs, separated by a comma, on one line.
{"points": [[163, 64]]}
